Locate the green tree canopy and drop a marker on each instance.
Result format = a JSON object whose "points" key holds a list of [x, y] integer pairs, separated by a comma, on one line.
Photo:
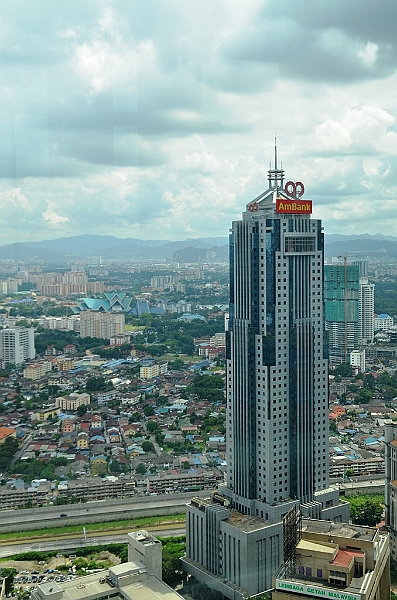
{"points": [[368, 512], [141, 469]]}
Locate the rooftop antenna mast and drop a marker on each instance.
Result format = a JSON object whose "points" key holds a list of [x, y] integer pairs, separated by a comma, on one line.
{"points": [[275, 176]]}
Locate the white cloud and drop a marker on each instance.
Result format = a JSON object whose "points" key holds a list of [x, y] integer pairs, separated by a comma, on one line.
{"points": [[157, 119], [369, 53], [52, 217]]}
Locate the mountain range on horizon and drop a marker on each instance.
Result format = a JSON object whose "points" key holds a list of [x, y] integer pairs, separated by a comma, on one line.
{"points": [[208, 249]]}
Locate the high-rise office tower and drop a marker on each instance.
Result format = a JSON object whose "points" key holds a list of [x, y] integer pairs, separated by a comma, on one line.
{"points": [[277, 398], [366, 316], [342, 296]]}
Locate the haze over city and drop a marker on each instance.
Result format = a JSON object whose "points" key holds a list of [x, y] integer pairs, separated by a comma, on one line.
{"points": [[157, 120]]}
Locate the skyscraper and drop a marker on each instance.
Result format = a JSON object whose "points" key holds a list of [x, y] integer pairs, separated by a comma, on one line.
{"points": [[342, 298], [366, 317], [277, 397]]}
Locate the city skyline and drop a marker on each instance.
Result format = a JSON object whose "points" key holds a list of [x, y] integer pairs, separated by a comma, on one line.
{"points": [[153, 120]]}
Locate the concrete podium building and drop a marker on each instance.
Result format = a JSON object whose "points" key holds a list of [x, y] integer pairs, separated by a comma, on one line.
{"points": [[277, 398]]}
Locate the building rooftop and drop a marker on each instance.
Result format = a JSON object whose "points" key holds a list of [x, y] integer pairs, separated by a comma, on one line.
{"points": [[317, 547], [345, 557], [140, 586], [246, 523], [339, 529]]}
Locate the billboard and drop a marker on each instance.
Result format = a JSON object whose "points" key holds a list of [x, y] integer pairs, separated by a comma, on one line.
{"points": [[289, 206]]}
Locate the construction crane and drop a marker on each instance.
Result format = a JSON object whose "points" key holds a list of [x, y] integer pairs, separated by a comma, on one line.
{"points": [[346, 305]]}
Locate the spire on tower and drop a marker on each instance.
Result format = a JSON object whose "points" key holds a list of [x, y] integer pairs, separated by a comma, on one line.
{"points": [[275, 176]]}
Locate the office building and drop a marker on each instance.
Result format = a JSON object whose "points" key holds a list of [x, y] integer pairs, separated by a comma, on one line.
{"points": [[17, 345], [337, 561], [366, 317], [342, 297], [277, 398]]}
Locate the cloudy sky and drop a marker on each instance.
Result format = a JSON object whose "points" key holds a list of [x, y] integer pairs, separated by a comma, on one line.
{"points": [[156, 118]]}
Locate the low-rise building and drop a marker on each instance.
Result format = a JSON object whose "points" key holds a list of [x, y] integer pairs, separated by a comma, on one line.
{"points": [[97, 489], [12, 497], [138, 579], [42, 414], [339, 466], [185, 482], [383, 322], [153, 370], [37, 370], [333, 560], [7, 432], [73, 401], [65, 363]]}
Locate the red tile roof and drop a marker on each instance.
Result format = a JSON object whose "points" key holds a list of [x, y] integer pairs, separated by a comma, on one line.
{"points": [[345, 557]]}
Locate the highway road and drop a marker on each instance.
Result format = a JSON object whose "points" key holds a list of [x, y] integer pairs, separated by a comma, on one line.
{"points": [[119, 509], [72, 543]]}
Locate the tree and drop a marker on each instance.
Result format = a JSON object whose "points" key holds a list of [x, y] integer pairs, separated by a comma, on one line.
{"points": [[81, 410], [8, 449], [141, 469], [365, 396], [176, 365], [97, 384], [8, 574], [159, 438], [152, 426], [148, 446], [333, 428], [148, 410], [367, 513], [135, 417], [115, 466], [173, 550], [344, 370]]}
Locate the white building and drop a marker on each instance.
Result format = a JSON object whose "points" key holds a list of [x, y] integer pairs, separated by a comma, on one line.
{"points": [[357, 359], [218, 340], [383, 322], [17, 345], [62, 323], [366, 311]]}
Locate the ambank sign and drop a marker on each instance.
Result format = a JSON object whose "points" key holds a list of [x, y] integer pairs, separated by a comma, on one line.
{"points": [[317, 592], [302, 207]]}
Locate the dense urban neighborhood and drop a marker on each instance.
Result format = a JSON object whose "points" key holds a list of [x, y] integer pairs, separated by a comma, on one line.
{"points": [[121, 392], [112, 388]]}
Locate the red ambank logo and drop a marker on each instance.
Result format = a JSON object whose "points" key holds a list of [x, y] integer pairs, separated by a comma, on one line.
{"points": [[302, 207]]}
